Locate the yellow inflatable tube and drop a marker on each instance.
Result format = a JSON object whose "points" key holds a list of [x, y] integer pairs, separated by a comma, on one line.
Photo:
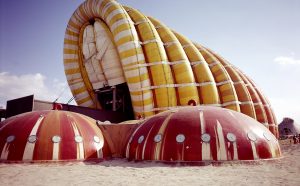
{"points": [[161, 68], [156, 58], [208, 92], [181, 68]]}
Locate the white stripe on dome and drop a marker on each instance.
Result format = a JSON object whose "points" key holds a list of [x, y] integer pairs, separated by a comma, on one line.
{"points": [[29, 148], [80, 149], [220, 142]]}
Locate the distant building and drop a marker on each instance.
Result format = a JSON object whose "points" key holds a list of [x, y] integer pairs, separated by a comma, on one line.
{"points": [[288, 127], [28, 104]]}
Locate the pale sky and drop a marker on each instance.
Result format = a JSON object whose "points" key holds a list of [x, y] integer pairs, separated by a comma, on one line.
{"points": [[261, 37]]}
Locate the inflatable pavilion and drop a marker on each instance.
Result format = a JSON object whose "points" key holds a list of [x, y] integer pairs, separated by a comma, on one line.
{"points": [[186, 103]]}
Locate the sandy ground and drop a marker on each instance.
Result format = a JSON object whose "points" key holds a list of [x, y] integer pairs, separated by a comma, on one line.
{"points": [[285, 171]]}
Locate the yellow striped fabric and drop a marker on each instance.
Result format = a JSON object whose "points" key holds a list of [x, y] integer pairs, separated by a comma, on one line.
{"points": [[162, 68]]}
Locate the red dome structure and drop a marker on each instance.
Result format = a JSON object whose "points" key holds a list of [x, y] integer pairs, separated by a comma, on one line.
{"points": [[51, 135], [202, 134]]}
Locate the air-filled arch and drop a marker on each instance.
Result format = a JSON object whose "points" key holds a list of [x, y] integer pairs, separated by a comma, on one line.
{"points": [[113, 51]]}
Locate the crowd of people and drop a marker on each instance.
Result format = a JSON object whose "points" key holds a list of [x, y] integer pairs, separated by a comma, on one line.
{"points": [[296, 139]]}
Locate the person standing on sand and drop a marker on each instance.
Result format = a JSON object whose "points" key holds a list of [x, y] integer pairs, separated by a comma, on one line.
{"points": [[295, 139]]}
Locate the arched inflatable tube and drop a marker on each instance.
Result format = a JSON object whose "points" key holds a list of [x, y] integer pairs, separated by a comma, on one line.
{"points": [[161, 68]]}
